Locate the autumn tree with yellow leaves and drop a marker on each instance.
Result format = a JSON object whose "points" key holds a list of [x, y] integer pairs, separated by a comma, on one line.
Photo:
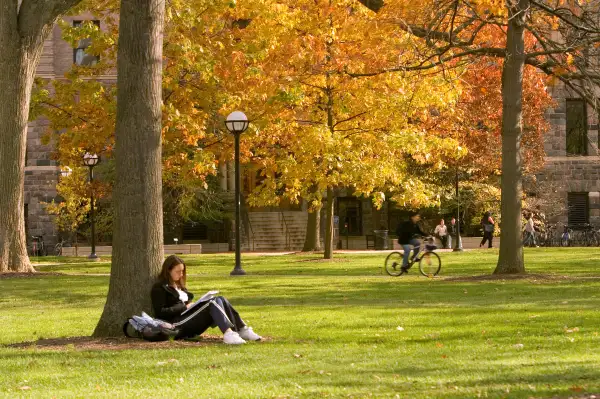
{"points": [[322, 130]]}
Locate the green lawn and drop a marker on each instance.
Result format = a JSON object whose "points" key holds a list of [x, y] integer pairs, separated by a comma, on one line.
{"points": [[336, 329]]}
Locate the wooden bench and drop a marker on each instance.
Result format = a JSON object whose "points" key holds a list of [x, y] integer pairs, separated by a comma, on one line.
{"points": [[370, 241]]}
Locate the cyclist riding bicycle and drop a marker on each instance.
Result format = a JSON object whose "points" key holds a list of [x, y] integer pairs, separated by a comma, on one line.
{"points": [[408, 232]]}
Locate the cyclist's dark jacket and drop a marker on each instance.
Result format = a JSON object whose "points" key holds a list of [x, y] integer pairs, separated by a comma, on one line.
{"points": [[408, 230]]}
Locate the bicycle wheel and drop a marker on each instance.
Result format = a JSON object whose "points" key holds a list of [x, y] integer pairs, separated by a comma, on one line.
{"points": [[430, 264], [393, 264], [58, 249]]}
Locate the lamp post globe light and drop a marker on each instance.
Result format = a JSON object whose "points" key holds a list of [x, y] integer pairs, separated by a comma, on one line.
{"points": [[91, 160], [237, 123], [65, 171]]}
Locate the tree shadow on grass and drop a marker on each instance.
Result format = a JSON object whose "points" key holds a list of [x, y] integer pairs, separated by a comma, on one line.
{"points": [[116, 343], [7, 276]]}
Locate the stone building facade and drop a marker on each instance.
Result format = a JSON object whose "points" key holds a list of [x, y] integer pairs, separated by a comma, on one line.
{"points": [[41, 172], [572, 169]]}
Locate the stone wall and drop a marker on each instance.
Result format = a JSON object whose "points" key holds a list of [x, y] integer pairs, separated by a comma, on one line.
{"points": [[564, 173], [573, 175]]}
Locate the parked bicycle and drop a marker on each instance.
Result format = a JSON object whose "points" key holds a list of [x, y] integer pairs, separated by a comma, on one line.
{"points": [[37, 247], [429, 261], [58, 248]]}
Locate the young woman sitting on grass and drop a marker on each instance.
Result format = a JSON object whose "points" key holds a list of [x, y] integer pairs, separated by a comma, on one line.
{"points": [[171, 299]]}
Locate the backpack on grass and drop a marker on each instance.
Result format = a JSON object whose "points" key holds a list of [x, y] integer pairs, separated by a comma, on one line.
{"points": [[149, 329]]}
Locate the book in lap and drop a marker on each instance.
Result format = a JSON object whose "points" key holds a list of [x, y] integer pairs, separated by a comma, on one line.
{"points": [[206, 297]]}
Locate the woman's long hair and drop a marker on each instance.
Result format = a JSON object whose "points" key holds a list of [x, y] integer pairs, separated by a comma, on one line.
{"points": [[168, 265]]}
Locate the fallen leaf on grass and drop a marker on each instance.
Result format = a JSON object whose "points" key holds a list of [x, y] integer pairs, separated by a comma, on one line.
{"points": [[576, 388], [518, 346], [25, 388], [297, 355], [439, 345], [167, 362], [400, 328], [444, 356]]}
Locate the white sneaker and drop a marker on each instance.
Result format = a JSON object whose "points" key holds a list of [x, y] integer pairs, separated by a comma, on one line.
{"points": [[232, 338], [249, 335]]}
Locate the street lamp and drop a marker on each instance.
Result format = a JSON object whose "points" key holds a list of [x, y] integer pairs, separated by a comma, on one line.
{"points": [[458, 245], [65, 171], [237, 123], [91, 160]]}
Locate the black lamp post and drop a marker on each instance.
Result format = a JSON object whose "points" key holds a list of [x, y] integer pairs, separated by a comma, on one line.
{"points": [[91, 160], [237, 123], [458, 245]]}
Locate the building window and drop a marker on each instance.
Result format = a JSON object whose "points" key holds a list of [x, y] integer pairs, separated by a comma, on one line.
{"points": [[194, 231], [349, 210], [80, 57], [576, 127], [579, 209]]}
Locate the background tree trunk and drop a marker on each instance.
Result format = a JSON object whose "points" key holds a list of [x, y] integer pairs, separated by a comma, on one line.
{"points": [[329, 226], [16, 85], [312, 241], [137, 232], [511, 247], [22, 42]]}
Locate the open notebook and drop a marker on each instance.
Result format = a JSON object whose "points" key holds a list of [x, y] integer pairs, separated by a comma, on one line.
{"points": [[206, 297]]}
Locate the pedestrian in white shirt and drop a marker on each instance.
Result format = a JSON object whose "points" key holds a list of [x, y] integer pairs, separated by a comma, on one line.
{"points": [[529, 232], [441, 231]]}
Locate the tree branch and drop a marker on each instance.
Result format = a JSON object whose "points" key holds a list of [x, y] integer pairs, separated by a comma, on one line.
{"points": [[37, 17], [556, 12], [485, 51], [349, 119]]}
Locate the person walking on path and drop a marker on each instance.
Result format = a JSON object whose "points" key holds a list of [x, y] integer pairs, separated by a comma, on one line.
{"points": [[441, 232], [530, 232], [488, 225], [408, 232]]}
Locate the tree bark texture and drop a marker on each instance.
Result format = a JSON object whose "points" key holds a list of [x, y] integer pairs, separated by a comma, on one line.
{"points": [[137, 233], [312, 242], [510, 260], [329, 227], [23, 28]]}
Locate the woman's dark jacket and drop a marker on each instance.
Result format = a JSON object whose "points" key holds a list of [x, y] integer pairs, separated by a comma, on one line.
{"points": [[166, 303]]}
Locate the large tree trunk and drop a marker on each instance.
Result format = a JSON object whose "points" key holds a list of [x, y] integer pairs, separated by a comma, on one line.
{"points": [[329, 226], [19, 58], [511, 248], [137, 232], [312, 242]]}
